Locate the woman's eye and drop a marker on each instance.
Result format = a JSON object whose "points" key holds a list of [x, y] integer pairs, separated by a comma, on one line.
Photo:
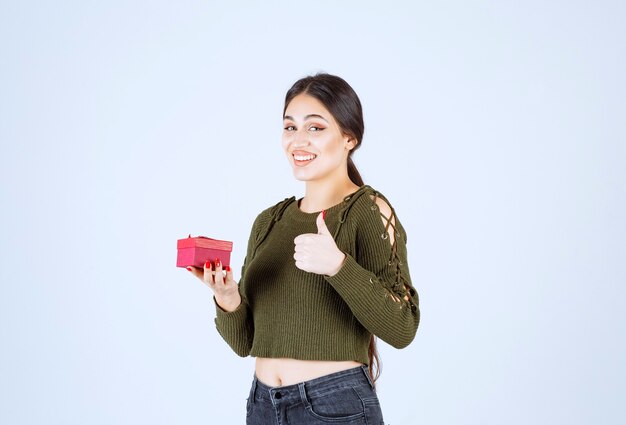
{"points": [[314, 128], [290, 128]]}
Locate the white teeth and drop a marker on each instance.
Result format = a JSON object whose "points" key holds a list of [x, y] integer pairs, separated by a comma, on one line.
{"points": [[304, 157]]}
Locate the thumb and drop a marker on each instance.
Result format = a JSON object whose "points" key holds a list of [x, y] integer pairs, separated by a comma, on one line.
{"points": [[322, 229]]}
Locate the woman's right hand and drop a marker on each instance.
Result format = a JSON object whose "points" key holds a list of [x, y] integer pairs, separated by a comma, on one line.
{"points": [[224, 287]]}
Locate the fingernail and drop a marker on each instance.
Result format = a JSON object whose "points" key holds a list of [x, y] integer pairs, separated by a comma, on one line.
{"points": [[227, 268], [218, 263], [323, 214], [188, 268], [207, 265]]}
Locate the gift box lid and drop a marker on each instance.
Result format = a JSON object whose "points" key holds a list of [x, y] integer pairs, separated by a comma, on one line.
{"points": [[204, 242]]}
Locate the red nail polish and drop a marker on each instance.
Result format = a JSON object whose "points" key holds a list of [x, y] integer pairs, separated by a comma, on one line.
{"points": [[218, 263], [188, 268], [227, 268], [207, 265], [324, 214]]}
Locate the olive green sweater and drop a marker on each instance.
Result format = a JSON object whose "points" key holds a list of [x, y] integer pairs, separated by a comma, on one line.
{"points": [[287, 312]]}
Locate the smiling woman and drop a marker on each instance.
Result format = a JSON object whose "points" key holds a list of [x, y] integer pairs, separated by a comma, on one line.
{"points": [[314, 141], [323, 275]]}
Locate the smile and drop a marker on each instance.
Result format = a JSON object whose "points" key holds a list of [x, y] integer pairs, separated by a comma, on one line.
{"points": [[304, 157]]}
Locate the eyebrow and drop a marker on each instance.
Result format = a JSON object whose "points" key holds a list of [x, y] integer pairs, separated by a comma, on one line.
{"points": [[289, 117]]}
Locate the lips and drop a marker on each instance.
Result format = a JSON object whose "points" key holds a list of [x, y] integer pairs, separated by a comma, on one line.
{"points": [[302, 158]]}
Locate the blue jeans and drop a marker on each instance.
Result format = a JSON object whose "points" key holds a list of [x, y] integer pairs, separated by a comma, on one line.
{"points": [[345, 397]]}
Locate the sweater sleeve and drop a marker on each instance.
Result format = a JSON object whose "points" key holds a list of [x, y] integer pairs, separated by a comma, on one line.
{"points": [[237, 327], [375, 282]]}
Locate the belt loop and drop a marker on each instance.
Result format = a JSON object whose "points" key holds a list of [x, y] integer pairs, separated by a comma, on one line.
{"points": [[365, 370], [303, 396]]}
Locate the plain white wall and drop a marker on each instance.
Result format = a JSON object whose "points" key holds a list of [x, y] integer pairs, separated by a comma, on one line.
{"points": [[496, 129]]}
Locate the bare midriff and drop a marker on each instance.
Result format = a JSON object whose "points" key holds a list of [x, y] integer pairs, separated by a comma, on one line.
{"points": [[283, 371]]}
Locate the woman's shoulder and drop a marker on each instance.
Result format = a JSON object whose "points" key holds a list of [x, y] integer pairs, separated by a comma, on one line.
{"points": [[372, 198], [274, 210], [373, 208]]}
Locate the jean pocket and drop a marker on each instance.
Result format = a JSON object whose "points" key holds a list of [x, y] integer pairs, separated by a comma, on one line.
{"points": [[336, 406], [250, 401], [248, 407]]}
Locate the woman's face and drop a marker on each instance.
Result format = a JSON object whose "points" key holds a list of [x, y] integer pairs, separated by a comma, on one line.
{"points": [[313, 142]]}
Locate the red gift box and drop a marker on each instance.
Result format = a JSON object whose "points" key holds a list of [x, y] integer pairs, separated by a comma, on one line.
{"points": [[195, 251]]}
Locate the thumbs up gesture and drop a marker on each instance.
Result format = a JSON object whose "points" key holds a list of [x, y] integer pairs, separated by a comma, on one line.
{"points": [[318, 253]]}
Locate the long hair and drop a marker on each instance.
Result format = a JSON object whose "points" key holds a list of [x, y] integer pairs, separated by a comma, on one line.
{"points": [[344, 105]]}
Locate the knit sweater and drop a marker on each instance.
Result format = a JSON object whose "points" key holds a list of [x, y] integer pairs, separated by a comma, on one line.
{"points": [[287, 312]]}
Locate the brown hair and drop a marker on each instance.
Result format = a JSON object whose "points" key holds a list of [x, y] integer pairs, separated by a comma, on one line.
{"points": [[343, 103]]}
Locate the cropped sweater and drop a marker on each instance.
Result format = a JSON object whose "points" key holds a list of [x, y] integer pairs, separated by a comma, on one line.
{"points": [[288, 312]]}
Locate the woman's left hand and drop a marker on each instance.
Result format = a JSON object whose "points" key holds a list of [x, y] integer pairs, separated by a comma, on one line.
{"points": [[318, 253]]}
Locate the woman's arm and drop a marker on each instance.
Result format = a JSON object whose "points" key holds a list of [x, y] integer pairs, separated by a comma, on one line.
{"points": [[375, 282], [236, 326]]}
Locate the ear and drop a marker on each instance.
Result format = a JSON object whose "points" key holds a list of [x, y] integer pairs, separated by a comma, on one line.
{"points": [[350, 143]]}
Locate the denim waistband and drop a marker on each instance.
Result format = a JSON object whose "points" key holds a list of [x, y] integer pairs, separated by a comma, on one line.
{"points": [[355, 376]]}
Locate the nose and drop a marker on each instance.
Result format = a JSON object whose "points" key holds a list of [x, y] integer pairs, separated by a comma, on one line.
{"points": [[300, 138]]}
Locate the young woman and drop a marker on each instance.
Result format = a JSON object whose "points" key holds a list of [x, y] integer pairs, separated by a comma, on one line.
{"points": [[322, 277]]}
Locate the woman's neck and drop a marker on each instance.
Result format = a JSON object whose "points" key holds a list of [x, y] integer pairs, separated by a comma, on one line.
{"points": [[321, 195]]}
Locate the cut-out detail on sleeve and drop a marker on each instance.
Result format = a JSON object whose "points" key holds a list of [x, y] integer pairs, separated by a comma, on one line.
{"points": [[402, 288]]}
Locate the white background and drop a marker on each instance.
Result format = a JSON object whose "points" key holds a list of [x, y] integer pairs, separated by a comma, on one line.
{"points": [[495, 128]]}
